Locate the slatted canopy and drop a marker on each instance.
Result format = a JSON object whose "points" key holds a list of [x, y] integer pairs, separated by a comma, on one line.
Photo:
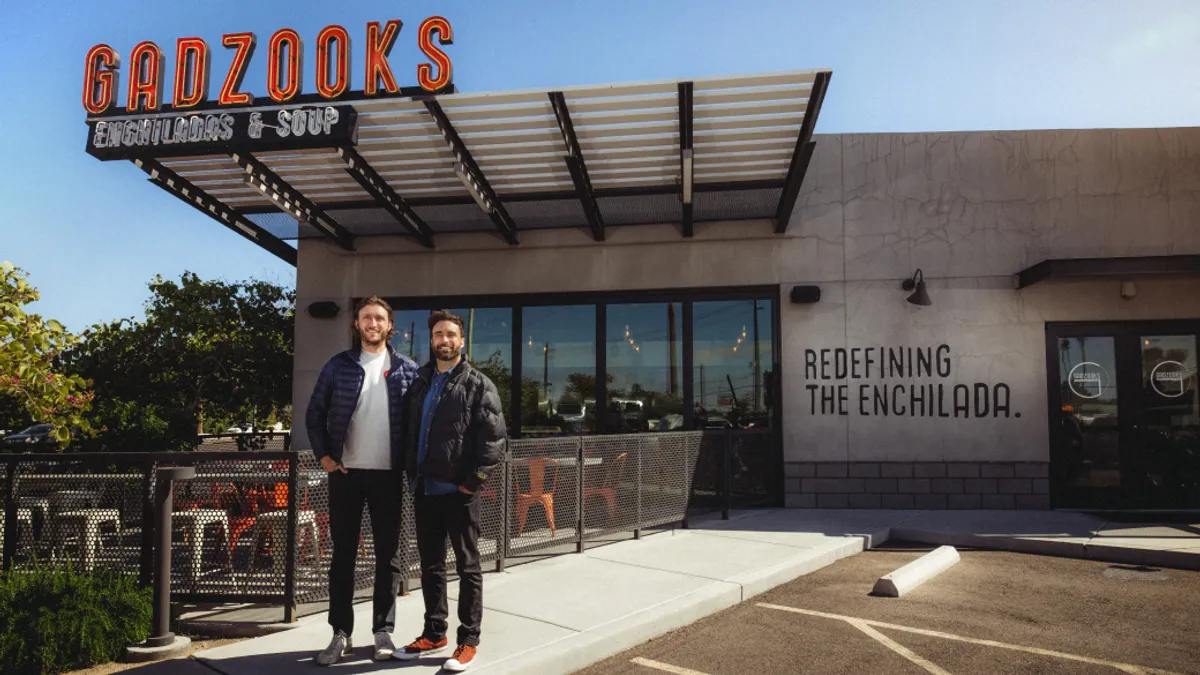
{"points": [[590, 157]]}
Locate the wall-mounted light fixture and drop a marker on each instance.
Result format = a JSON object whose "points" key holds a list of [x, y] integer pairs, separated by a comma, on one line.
{"points": [[1128, 290], [917, 284]]}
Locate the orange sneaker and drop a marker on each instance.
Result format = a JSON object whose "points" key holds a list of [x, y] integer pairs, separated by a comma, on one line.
{"points": [[420, 647], [461, 660]]}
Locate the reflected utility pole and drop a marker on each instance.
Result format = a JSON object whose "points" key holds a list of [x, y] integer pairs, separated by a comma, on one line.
{"points": [[757, 377], [673, 373]]}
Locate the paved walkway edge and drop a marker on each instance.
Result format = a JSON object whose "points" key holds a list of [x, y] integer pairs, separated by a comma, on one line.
{"points": [[586, 648], [1065, 549]]}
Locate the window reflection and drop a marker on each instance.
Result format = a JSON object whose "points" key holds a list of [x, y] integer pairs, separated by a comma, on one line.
{"points": [[487, 343], [732, 363], [1170, 442], [558, 370], [1087, 453], [644, 354]]}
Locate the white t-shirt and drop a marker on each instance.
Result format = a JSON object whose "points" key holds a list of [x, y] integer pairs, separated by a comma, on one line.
{"points": [[368, 441]]}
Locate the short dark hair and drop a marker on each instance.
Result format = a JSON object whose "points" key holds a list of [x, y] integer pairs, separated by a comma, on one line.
{"points": [[374, 300], [438, 316]]}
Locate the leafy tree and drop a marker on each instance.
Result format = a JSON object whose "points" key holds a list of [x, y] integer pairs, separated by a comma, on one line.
{"points": [[28, 373], [207, 350]]}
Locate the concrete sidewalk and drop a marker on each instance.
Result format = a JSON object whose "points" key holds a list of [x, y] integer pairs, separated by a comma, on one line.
{"points": [[1059, 533], [562, 614]]}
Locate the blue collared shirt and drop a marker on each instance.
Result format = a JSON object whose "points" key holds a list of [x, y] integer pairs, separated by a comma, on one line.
{"points": [[436, 386]]}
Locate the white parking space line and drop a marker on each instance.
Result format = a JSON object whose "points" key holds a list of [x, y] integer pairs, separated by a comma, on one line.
{"points": [[897, 647], [1125, 667], [665, 667]]}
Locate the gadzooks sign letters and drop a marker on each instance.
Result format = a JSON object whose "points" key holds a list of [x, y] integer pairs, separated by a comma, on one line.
{"points": [[292, 119]]}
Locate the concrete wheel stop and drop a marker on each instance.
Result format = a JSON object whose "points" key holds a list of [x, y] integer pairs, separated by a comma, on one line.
{"points": [[901, 581]]}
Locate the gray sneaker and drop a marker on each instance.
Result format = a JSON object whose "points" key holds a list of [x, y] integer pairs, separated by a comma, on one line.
{"points": [[384, 648], [337, 647]]}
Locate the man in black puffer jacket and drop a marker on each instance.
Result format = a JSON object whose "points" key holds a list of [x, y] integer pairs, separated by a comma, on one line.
{"points": [[355, 422], [454, 437]]}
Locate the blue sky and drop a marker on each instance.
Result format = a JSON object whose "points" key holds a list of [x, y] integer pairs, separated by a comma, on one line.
{"points": [[93, 233]]}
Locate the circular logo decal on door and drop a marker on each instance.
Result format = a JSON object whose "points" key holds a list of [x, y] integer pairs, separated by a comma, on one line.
{"points": [[1170, 379], [1088, 380]]}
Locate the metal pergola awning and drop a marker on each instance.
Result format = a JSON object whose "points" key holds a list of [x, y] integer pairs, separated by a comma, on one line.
{"points": [[591, 157]]}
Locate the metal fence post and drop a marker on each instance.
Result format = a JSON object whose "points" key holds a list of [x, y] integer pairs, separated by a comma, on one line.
{"points": [[289, 569], [502, 492], [10, 516], [727, 475], [687, 496], [637, 483], [161, 635], [581, 521]]}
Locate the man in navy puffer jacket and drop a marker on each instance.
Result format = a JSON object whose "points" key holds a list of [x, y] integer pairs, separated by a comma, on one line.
{"points": [[355, 423]]}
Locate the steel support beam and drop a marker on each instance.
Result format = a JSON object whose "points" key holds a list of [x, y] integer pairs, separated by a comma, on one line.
{"points": [[290, 200], [686, 167], [803, 153], [215, 209], [577, 167], [471, 176], [387, 198]]}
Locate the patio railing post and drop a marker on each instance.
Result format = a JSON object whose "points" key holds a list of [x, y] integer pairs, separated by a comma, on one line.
{"points": [[637, 483], [727, 475], [502, 494], [289, 569], [686, 490], [10, 516], [161, 635], [579, 505]]}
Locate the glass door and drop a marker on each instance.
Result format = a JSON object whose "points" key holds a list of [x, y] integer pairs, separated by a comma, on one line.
{"points": [[1167, 454], [1125, 415]]}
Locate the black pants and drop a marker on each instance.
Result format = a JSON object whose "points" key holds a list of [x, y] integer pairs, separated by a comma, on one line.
{"points": [[380, 491], [455, 516]]}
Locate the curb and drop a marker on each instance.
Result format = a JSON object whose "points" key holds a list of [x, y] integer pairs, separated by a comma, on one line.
{"points": [[1062, 549], [234, 629]]}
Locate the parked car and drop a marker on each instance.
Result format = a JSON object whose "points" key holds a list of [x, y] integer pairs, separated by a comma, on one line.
{"points": [[38, 434]]}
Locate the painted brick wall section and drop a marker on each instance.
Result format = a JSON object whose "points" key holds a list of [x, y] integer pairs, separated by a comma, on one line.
{"points": [[918, 485]]}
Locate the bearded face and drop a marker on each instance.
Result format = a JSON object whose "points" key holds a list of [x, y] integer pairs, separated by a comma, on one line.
{"points": [[446, 340], [373, 326]]}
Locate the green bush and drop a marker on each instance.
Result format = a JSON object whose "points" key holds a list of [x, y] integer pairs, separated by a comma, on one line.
{"points": [[53, 620]]}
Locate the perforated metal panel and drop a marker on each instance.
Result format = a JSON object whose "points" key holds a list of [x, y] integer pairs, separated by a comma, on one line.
{"points": [[537, 215], [456, 218], [736, 204], [281, 225], [79, 515], [641, 209], [544, 479], [367, 222]]}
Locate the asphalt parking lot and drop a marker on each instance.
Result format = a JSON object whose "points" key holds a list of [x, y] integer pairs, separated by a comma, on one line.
{"points": [[992, 612]]}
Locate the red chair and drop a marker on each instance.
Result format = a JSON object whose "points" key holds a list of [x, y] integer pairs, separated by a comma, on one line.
{"points": [[608, 489], [536, 493]]}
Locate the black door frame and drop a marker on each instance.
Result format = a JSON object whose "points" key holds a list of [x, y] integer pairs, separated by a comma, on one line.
{"points": [[1126, 335]]}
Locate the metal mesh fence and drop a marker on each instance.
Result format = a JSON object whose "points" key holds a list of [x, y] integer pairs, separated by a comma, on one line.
{"points": [[253, 524], [543, 486], [83, 515]]}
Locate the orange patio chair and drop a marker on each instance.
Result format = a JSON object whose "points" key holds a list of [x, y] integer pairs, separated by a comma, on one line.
{"points": [[536, 493], [608, 489]]}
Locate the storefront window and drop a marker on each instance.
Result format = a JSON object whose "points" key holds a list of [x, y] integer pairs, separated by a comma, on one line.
{"points": [[732, 363], [644, 353], [488, 343], [558, 370]]}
